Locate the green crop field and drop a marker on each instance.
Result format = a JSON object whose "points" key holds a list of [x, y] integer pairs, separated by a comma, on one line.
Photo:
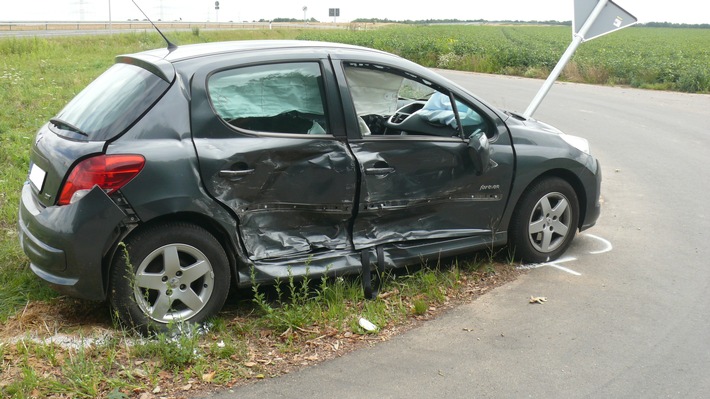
{"points": [[658, 58]]}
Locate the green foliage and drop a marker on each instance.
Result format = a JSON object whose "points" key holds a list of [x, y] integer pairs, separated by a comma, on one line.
{"points": [[284, 321], [665, 58], [178, 351], [81, 372], [296, 20], [420, 307], [116, 394], [295, 305]]}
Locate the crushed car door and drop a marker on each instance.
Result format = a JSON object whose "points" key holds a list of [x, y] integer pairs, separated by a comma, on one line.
{"points": [[419, 181], [270, 148]]}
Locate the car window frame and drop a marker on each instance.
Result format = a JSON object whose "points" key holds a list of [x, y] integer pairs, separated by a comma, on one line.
{"points": [[323, 92], [454, 96], [205, 123]]}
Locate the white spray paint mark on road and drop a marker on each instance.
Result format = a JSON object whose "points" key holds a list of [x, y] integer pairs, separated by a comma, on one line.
{"points": [[553, 264], [608, 247], [556, 264]]}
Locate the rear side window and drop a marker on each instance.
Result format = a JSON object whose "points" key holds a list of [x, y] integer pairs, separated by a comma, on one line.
{"points": [[276, 98], [110, 104]]}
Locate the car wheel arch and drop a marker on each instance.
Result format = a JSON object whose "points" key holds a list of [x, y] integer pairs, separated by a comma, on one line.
{"points": [[199, 293], [564, 174], [214, 228], [538, 230]]}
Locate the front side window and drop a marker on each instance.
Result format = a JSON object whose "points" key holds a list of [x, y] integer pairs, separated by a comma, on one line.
{"points": [[277, 98], [395, 102]]}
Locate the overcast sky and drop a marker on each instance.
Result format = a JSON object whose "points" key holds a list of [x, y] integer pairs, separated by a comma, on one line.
{"points": [[679, 11]]}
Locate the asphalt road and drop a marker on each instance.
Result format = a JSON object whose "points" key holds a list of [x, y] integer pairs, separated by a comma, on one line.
{"points": [[627, 312]]}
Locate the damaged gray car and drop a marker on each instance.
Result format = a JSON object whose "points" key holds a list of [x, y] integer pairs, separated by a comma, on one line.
{"points": [[180, 173]]}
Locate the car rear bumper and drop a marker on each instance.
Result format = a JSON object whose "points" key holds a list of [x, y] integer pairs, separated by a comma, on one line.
{"points": [[67, 245]]}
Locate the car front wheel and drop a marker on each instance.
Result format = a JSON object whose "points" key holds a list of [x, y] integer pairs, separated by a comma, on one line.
{"points": [[168, 274], [545, 221]]}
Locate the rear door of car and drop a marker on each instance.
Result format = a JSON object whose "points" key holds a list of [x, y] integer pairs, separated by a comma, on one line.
{"points": [[272, 147], [418, 178]]}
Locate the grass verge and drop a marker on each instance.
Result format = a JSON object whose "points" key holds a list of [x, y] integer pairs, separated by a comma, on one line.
{"points": [[68, 348]]}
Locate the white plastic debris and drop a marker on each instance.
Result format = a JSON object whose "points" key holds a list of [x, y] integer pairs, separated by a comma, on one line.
{"points": [[367, 324], [538, 299]]}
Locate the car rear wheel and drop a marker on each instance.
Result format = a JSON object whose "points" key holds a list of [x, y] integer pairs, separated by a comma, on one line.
{"points": [[545, 221], [169, 274]]}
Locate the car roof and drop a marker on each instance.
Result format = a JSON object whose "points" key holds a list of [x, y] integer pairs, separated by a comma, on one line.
{"points": [[191, 51], [164, 62]]}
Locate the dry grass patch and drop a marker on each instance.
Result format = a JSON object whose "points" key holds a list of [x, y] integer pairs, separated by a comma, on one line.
{"points": [[67, 348]]}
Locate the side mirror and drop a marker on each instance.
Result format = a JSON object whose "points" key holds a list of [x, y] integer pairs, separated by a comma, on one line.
{"points": [[481, 154]]}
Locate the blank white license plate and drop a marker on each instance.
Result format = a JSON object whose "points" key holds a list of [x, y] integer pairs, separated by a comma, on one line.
{"points": [[37, 176]]}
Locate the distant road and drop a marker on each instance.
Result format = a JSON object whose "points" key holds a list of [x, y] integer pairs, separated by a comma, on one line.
{"points": [[31, 29]]}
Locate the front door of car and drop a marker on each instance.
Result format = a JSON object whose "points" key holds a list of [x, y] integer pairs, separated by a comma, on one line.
{"points": [[419, 180], [271, 148]]}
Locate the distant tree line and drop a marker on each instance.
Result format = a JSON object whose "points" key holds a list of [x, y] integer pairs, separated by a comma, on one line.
{"points": [[674, 25], [483, 21], [455, 21]]}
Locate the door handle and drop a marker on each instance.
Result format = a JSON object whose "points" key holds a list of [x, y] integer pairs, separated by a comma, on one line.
{"points": [[233, 174], [379, 171]]}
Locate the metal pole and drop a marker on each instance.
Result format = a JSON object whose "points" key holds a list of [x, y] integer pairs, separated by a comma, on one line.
{"points": [[110, 24], [576, 41]]}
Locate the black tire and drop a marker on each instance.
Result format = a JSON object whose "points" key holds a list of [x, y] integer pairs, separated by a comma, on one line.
{"points": [[167, 274], [545, 221]]}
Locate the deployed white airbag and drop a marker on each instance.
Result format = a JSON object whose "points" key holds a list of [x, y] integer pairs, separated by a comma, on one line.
{"points": [[373, 92], [255, 92], [438, 109]]}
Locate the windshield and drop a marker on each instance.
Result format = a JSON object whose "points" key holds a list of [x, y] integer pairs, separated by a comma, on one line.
{"points": [[110, 104]]}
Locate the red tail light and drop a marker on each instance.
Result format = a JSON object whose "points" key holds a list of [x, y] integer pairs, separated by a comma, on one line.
{"points": [[109, 172]]}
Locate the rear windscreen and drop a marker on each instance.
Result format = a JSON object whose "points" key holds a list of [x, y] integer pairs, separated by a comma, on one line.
{"points": [[111, 103]]}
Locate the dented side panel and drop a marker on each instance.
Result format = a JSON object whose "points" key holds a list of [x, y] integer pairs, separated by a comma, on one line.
{"points": [[302, 194], [431, 192], [295, 196], [290, 186], [338, 263]]}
